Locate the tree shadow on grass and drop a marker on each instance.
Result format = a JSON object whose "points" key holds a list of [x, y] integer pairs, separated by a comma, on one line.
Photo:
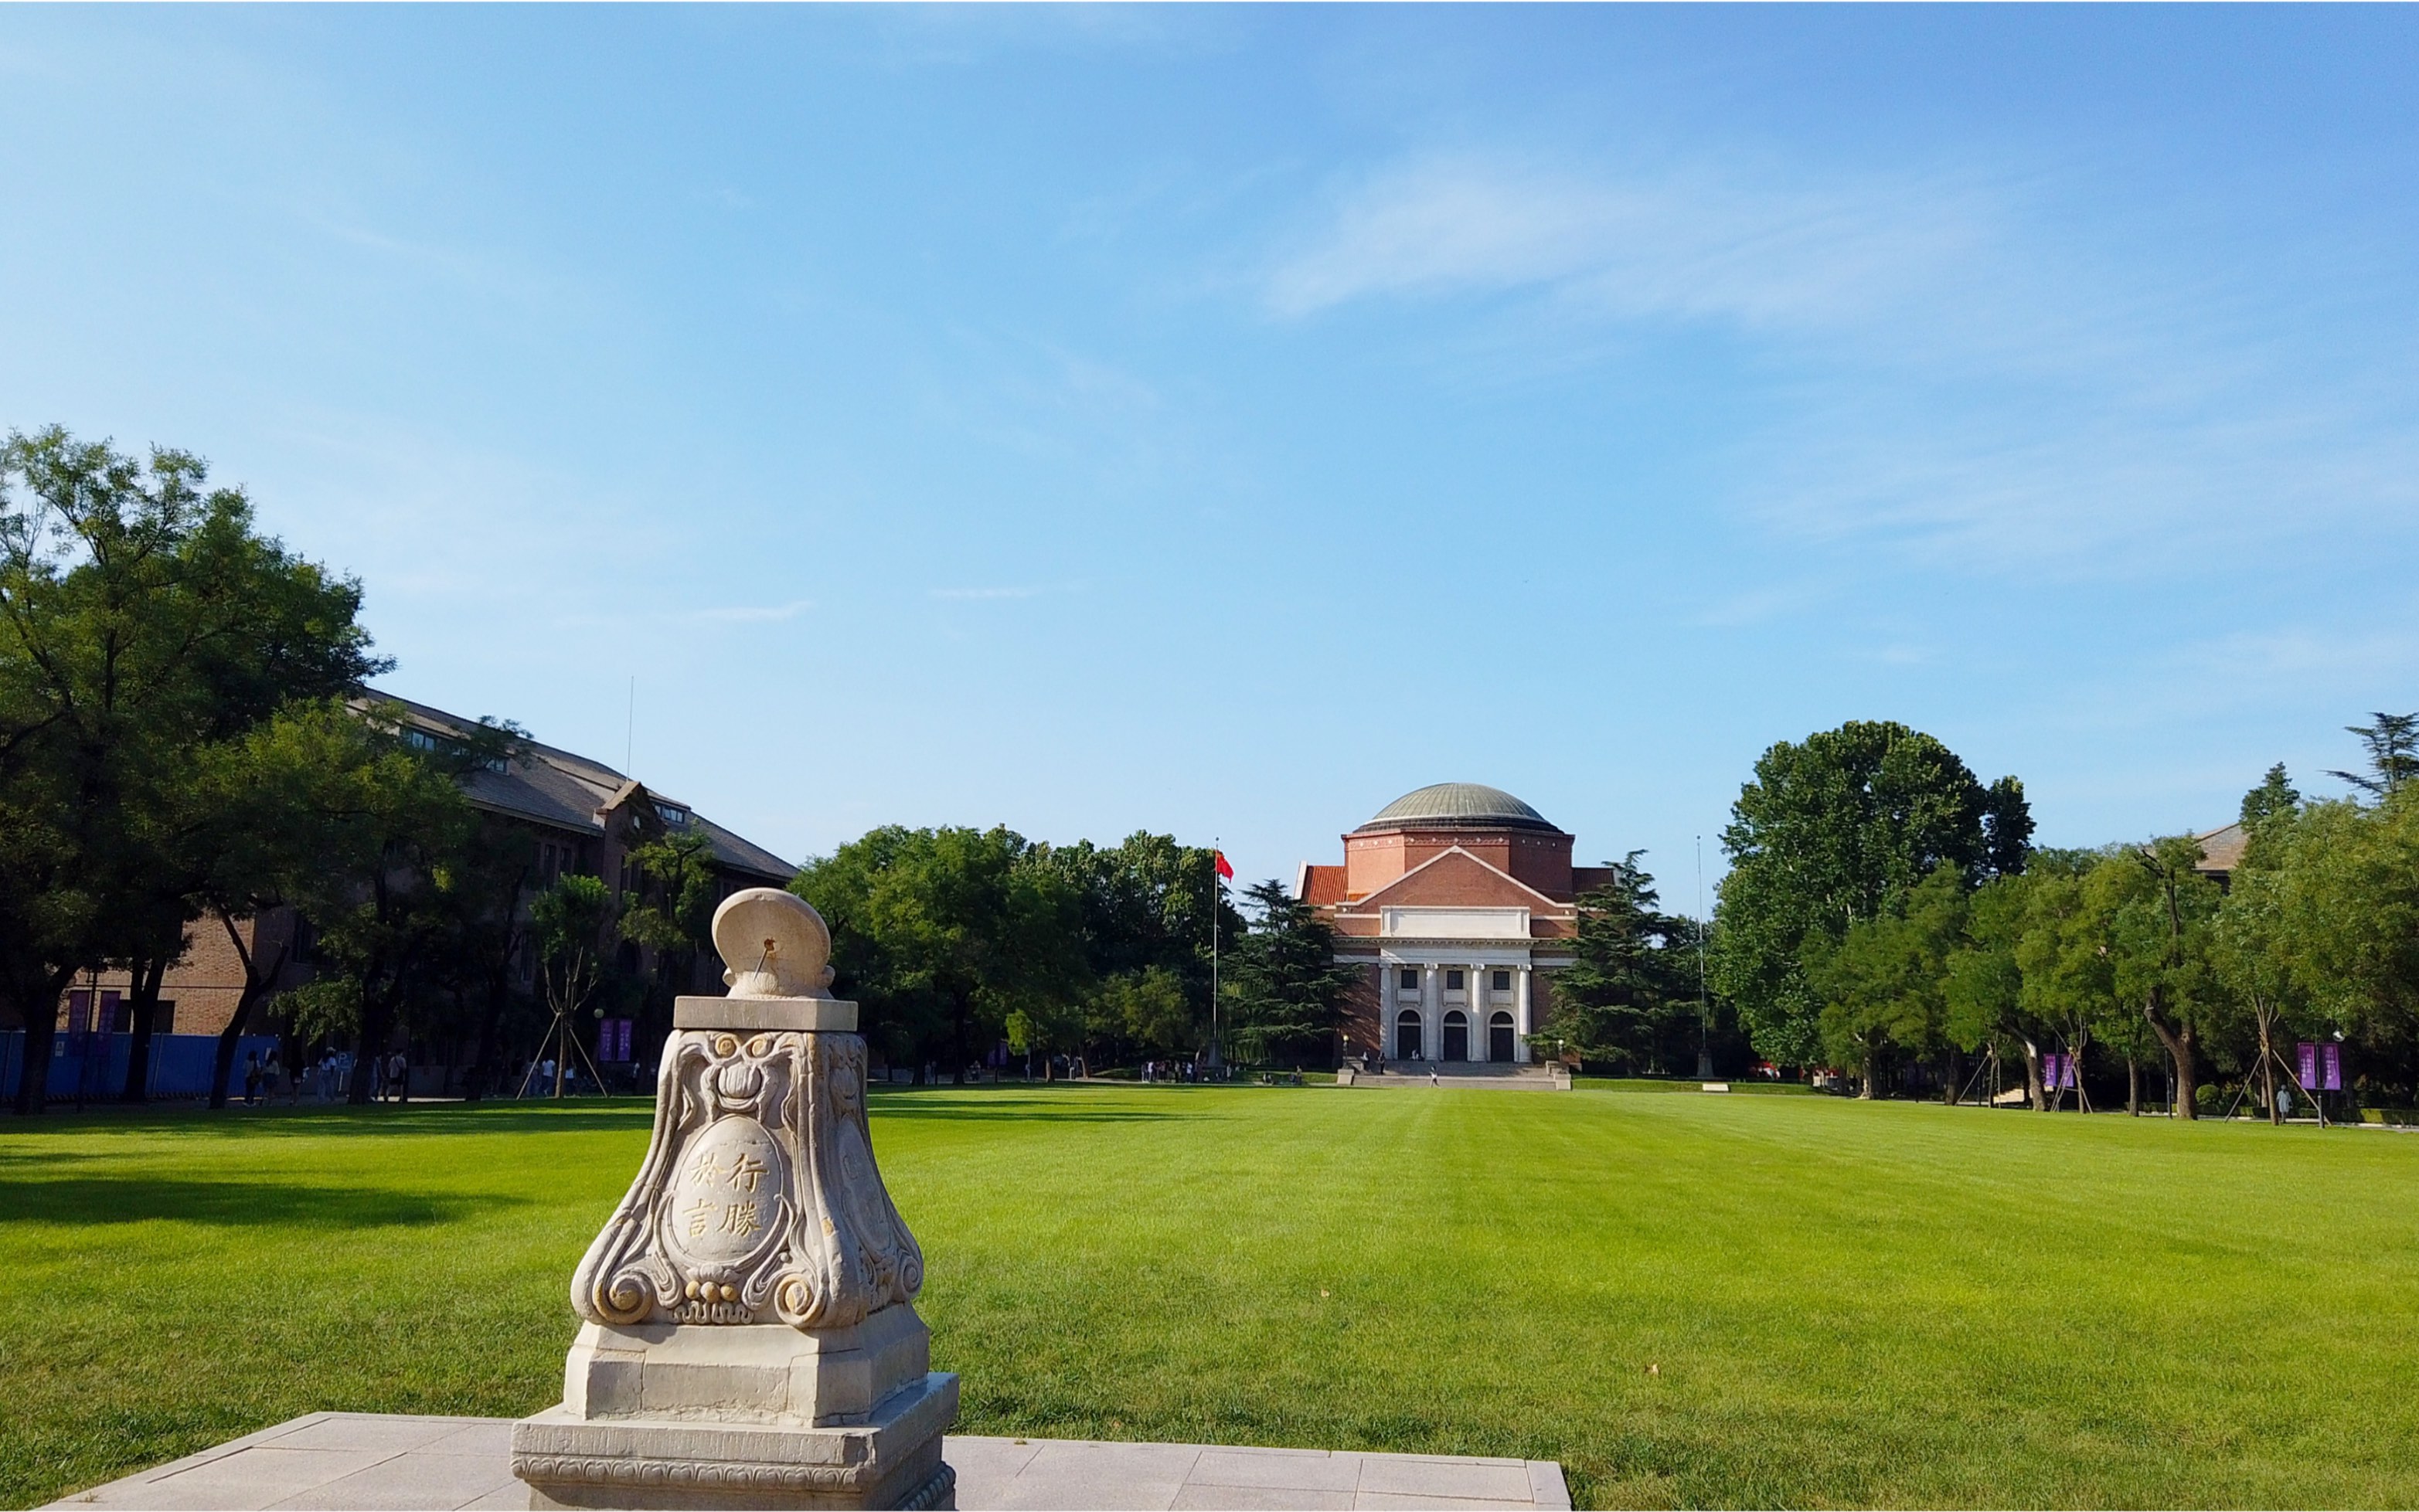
{"points": [[588, 1115], [1011, 1109], [99, 1199]]}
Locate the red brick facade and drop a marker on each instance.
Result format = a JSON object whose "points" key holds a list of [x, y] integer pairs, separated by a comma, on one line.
{"points": [[1454, 901]]}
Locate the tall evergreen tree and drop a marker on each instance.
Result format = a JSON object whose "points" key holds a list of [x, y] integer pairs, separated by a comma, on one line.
{"points": [[2393, 744], [2274, 795], [1286, 990], [1632, 977]]}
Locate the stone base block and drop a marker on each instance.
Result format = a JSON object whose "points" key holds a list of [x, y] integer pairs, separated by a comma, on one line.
{"points": [[747, 1372], [893, 1460]]}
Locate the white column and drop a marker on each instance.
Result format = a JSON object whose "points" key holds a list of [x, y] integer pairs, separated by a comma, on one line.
{"points": [[1477, 1011], [1431, 1010], [1520, 1014]]}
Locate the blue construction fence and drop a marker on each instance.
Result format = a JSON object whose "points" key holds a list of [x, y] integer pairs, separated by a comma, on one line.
{"points": [[95, 1064]]}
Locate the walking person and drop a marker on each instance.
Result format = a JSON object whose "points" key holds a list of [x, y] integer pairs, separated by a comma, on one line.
{"points": [[252, 1081], [398, 1074]]}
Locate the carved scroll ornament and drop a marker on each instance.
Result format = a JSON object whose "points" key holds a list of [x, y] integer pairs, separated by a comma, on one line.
{"points": [[759, 1199]]}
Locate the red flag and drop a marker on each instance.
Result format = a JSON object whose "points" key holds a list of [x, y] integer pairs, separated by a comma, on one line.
{"points": [[1223, 870]]}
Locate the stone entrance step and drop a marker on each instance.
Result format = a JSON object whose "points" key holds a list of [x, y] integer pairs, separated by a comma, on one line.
{"points": [[351, 1462], [1463, 1074]]}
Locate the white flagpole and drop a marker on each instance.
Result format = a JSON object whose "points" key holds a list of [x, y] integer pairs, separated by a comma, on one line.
{"points": [[1217, 892]]}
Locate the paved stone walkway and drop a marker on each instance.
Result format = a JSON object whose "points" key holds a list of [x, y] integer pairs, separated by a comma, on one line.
{"points": [[354, 1461]]}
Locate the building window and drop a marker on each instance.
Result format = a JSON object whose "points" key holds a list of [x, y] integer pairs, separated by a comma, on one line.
{"points": [[1503, 981], [675, 816], [1409, 980], [1452, 980], [164, 1018]]}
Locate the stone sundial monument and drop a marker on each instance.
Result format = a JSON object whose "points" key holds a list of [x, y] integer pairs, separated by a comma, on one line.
{"points": [[750, 1335]]}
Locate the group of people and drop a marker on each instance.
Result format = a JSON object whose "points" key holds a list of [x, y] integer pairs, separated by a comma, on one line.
{"points": [[1171, 1071], [328, 1079]]}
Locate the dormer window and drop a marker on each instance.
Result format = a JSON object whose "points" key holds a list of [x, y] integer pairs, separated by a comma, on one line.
{"points": [[436, 744], [673, 814]]}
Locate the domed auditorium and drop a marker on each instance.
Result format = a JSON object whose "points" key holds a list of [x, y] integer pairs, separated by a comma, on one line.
{"points": [[1455, 902]]}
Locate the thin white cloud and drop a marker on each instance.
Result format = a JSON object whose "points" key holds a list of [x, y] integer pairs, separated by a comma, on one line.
{"points": [[1944, 364], [1690, 244], [756, 614]]}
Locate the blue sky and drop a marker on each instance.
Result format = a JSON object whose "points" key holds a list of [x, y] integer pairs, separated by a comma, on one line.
{"points": [[1222, 422]]}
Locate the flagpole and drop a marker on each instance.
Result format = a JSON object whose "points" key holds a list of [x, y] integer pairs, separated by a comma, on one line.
{"points": [[1217, 853]]}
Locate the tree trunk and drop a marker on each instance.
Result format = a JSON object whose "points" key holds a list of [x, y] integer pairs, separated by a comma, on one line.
{"points": [[482, 1054], [1956, 1077], [255, 983], [143, 1018], [1865, 1093], [378, 1027], [40, 1008], [2133, 1085], [2179, 1045], [2033, 1088]]}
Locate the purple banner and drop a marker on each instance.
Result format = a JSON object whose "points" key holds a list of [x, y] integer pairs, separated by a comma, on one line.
{"points": [[2306, 1055], [2331, 1065]]}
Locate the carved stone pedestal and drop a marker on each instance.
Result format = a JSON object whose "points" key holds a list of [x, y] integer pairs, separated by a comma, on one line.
{"points": [[751, 1335]]}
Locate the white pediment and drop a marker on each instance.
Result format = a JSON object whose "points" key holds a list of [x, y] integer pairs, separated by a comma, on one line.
{"points": [[1452, 924]]}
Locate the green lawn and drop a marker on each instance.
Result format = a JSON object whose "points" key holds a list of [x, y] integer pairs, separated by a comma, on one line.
{"points": [[1839, 1303]]}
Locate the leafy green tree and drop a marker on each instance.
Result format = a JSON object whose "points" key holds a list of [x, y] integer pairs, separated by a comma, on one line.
{"points": [[1632, 976], [672, 910], [1982, 986], [1283, 988], [2393, 744], [569, 920], [486, 931], [143, 620], [2253, 953], [1150, 1009], [280, 800], [2335, 892], [1883, 984], [942, 934], [385, 926], [1839, 829], [1146, 901], [2157, 911], [2070, 984]]}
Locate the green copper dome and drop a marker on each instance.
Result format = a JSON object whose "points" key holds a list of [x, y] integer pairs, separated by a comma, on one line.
{"points": [[1458, 803]]}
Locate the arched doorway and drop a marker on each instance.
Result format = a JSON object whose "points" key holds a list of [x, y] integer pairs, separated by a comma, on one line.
{"points": [[1456, 1036], [1499, 1037], [1406, 1034]]}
